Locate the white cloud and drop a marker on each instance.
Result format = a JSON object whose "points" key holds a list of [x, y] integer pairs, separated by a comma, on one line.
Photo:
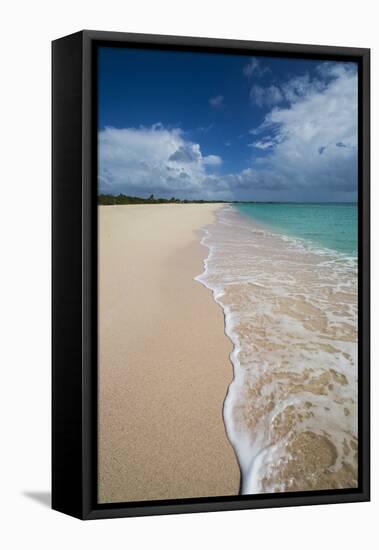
{"points": [[263, 144], [300, 86], [268, 96], [157, 159], [305, 149], [313, 140], [212, 160], [217, 101], [254, 67]]}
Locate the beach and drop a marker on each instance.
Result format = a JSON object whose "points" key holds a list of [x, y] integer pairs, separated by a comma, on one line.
{"points": [[163, 361], [227, 350], [288, 288]]}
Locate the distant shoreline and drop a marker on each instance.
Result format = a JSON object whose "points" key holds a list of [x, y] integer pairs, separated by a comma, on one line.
{"points": [[113, 200], [119, 200]]}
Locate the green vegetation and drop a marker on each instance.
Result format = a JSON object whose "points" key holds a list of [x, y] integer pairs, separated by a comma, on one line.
{"points": [[126, 199]]}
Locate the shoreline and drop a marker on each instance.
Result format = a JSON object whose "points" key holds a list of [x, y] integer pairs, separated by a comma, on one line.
{"points": [[234, 350], [292, 361], [164, 367]]}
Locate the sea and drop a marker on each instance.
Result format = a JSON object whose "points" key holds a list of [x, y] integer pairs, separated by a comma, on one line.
{"points": [[285, 276]]}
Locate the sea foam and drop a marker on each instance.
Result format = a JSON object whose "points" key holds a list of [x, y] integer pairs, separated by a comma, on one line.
{"points": [[291, 313]]}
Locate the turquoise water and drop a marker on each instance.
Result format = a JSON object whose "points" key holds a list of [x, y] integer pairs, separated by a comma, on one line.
{"points": [[329, 225]]}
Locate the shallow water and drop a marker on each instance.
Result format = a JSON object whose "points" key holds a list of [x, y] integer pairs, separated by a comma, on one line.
{"points": [[291, 312], [329, 225]]}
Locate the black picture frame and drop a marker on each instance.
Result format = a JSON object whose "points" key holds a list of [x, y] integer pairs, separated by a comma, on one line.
{"points": [[74, 273]]}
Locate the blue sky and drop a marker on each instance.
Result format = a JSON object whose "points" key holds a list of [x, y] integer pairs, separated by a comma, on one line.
{"points": [[215, 126]]}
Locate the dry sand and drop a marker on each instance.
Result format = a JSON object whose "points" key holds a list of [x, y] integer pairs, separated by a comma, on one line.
{"points": [[164, 364]]}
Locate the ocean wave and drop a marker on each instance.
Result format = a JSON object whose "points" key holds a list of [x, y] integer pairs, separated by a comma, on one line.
{"points": [[291, 313]]}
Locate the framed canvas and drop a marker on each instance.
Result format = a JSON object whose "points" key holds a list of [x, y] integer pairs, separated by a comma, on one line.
{"points": [[210, 275]]}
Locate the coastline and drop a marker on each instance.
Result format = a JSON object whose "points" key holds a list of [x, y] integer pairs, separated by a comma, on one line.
{"points": [[291, 409], [164, 367]]}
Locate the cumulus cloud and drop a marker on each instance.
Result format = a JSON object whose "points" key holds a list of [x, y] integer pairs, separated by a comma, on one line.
{"points": [[305, 149], [153, 160], [313, 138], [296, 87], [217, 101]]}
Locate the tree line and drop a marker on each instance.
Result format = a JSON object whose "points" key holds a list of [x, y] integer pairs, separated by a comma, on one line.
{"points": [[127, 199]]}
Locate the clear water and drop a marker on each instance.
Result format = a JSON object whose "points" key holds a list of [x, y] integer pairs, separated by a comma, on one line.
{"points": [[286, 278], [330, 225]]}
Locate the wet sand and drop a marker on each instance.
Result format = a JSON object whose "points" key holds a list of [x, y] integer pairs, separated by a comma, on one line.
{"points": [[164, 365], [291, 410]]}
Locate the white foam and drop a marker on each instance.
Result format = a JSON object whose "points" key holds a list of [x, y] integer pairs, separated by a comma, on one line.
{"points": [[244, 261]]}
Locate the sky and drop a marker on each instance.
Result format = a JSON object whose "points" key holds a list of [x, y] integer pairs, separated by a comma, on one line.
{"points": [[226, 127]]}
